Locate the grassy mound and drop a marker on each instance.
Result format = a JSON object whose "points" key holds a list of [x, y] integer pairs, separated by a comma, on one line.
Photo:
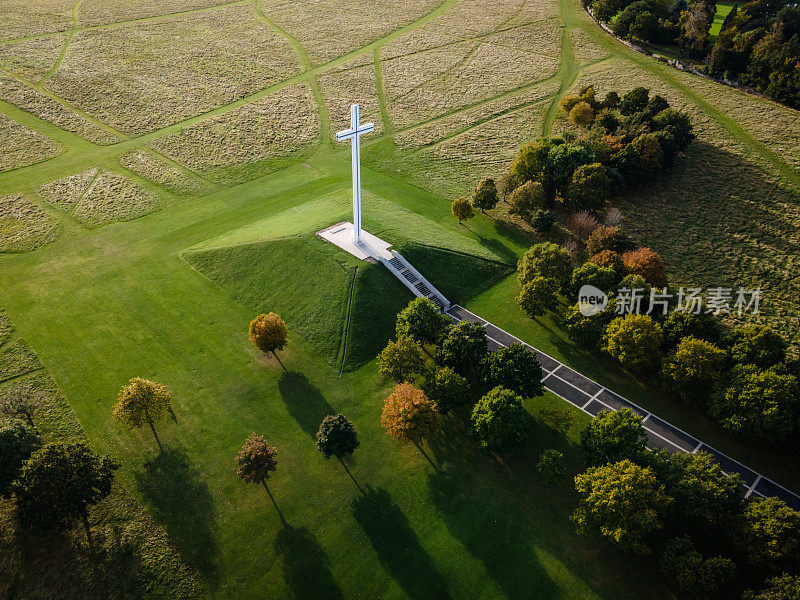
{"points": [[344, 306]]}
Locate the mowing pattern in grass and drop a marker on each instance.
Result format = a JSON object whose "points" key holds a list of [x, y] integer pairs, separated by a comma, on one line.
{"points": [[24, 225], [133, 558], [32, 58], [163, 72], [158, 170], [29, 17], [66, 192], [20, 146], [256, 139]]}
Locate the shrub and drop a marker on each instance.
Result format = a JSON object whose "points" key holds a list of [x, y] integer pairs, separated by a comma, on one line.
{"points": [[537, 296], [613, 436], [611, 100], [526, 198], [613, 217], [582, 114], [656, 104], [499, 420], [607, 238], [516, 368], [447, 389], [17, 442], [757, 345], [551, 466], [697, 577], [603, 278], [582, 224], [569, 102], [462, 210], [421, 321], [651, 154], [543, 221], [692, 369], [648, 264], [634, 340], [463, 348], [546, 260], [589, 188], [758, 404], [623, 502], [634, 101], [401, 359], [485, 196], [785, 587]]}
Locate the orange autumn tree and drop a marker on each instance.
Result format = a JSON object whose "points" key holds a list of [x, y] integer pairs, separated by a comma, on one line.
{"points": [[648, 264], [269, 333], [410, 416]]}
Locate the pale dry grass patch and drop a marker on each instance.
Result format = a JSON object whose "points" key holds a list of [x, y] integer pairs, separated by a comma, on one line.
{"points": [[419, 40], [20, 18], [542, 37], [66, 192], [487, 72], [111, 198], [535, 10], [153, 74], [33, 58], [42, 106], [347, 86], [97, 12], [279, 126], [329, 29], [585, 49], [24, 225], [149, 166], [21, 146], [470, 18]]}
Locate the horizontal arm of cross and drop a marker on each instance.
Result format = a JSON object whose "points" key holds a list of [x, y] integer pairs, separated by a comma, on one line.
{"points": [[349, 133]]}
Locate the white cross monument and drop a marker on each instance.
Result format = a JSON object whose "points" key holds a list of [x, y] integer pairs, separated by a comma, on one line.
{"points": [[355, 132]]}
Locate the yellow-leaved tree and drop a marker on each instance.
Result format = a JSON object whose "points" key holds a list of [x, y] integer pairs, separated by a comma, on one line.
{"points": [[269, 333], [142, 402]]}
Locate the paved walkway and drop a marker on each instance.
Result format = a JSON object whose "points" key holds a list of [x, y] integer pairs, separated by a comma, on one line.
{"points": [[591, 398]]}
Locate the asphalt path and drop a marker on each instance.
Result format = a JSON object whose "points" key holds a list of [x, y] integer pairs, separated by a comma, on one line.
{"points": [[591, 397]]}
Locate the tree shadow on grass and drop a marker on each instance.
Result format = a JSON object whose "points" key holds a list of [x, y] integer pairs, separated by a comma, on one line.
{"points": [[306, 567], [182, 503], [397, 546], [304, 401]]}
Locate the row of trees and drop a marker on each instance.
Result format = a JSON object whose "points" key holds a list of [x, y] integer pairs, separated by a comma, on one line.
{"points": [[710, 540]]}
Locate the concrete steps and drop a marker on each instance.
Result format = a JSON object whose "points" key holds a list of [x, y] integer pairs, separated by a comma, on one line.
{"points": [[414, 280]]}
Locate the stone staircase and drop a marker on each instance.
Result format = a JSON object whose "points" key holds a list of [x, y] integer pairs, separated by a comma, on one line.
{"points": [[413, 280]]}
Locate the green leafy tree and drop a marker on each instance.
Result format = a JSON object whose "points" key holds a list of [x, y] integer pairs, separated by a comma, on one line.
{"points": [[447, 389], [485, 196], [526, 199], [500, 421], [530, 161], [142, 402], [17, 442], [697, 577], [543, 221], [634, 340], [622, 501], [589, 273], [680, 324], [551, 466], [563, 160], [611, 100], [613, 436], [692, 369], [546, 260], [421, 321], [770, 535], [462, 210], [463, 348], [537, 296], [269, 333], [336, 437], [516, 368], [588, 189], [401, 359], [757, 345], [587, 331], [785, 587], [21, 401], [59, 483], [676, 123], [651, 154], [634, 101], [255, 462], [656, 104], [758, 404]]}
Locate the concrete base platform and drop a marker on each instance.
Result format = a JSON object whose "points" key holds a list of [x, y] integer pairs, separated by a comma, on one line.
{"points": [[371, 248]]}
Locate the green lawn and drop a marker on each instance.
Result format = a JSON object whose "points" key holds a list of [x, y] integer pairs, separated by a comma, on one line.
{"points": [[723, 9]]}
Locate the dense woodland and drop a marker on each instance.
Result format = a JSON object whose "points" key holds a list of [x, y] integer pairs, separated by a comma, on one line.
{"points": [[758, 44]]}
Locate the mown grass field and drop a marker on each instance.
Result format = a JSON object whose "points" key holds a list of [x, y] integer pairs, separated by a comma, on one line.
{"points": [[205, 212]]}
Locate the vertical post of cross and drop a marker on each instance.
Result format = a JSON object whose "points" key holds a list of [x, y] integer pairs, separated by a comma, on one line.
{"points": [[354, 134]]}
